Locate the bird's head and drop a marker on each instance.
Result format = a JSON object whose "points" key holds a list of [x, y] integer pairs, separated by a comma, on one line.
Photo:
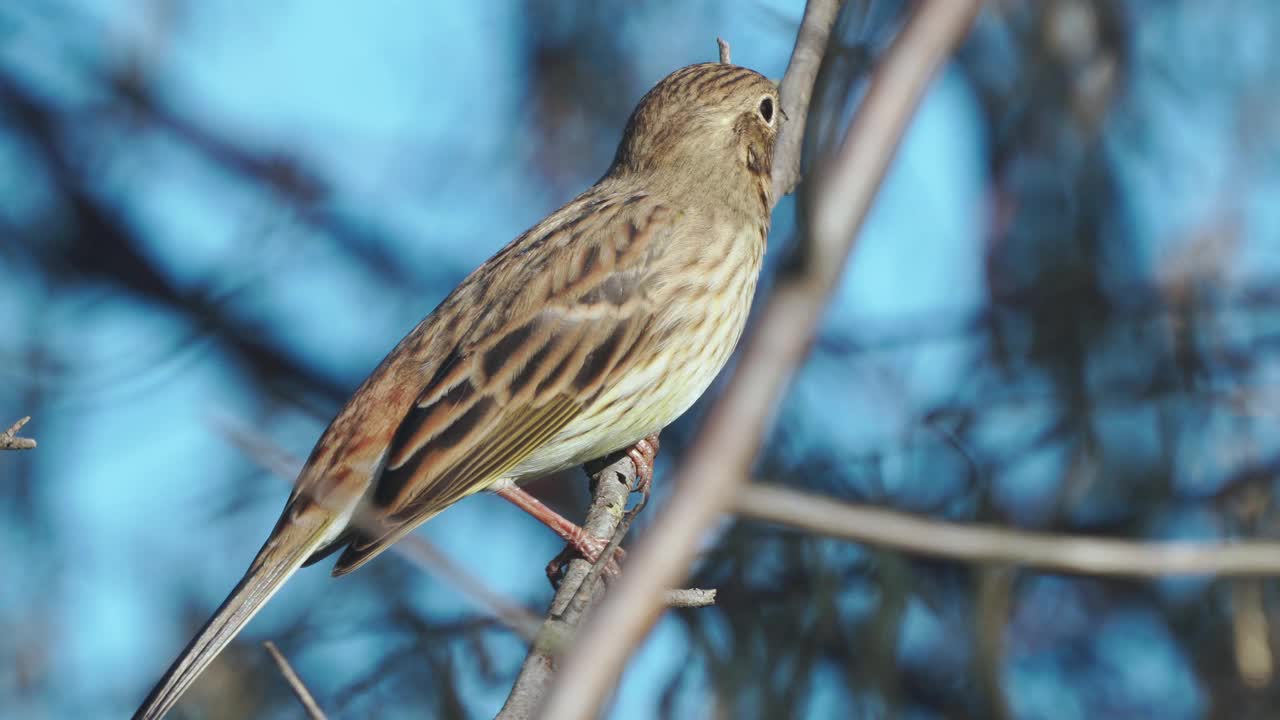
{"points": [[712, 123]]}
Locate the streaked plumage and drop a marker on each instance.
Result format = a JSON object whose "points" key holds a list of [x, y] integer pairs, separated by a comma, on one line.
{"points": [[592, 330]]}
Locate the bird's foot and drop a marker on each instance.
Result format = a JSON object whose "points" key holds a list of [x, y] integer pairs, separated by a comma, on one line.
{"points": [[578, 541], [589, 548], [643, 454]]}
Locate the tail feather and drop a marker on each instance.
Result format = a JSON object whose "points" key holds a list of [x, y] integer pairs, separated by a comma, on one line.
{"points": [[289, 546]]}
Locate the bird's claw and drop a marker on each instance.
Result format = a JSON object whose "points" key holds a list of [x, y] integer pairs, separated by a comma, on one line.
{"points": [[643, 454], [588, 547]]}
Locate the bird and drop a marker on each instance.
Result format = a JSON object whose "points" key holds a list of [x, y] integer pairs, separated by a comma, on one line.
{"points": [[584, 336]]}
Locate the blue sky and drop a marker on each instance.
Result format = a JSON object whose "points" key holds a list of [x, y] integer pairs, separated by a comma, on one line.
{"points": [[415, 115]]}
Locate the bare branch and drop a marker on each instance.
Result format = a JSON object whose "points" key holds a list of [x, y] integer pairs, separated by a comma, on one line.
{"points": [[797, 91], [723, 46], [578, 590], [299, 688], [975, 543], [691, 598], [9, 439], [719, 461]]}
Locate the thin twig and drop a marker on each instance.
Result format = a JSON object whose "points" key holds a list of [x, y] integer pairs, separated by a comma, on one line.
{"points": [[299, 688], [723, 46], [9, 439], [429, 558], [690, 598], [976, 543], [719, 460]]}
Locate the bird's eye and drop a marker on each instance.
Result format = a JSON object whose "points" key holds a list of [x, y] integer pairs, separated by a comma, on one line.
{"points": [[766, 110]]}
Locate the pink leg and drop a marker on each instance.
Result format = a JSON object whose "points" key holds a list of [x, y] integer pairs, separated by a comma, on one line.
{"points": [[642, 455], [575, 536]]}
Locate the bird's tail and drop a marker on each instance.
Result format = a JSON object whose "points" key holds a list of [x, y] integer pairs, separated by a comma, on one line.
{"points": [[293, 540]]}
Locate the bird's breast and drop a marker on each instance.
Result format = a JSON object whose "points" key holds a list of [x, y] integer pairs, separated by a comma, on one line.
{"points": [[700, 312]]}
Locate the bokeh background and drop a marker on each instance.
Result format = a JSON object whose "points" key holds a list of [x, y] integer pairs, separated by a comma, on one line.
{"points": [[216, 217]]}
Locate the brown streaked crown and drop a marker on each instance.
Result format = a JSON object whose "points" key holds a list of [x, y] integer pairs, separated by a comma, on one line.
{"points": [[702, 118]]}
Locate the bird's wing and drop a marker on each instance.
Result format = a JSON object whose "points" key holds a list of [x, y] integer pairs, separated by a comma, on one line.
{"points": [[565, 322]]}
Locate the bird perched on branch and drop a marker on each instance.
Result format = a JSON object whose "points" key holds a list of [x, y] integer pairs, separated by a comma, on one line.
{"points": [[585, 335]]}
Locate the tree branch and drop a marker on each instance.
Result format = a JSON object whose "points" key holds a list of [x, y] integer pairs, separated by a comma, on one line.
{"points": [[988, 544], [690, 598], [295, 683], [9, 439], [578, 590], [796, 91], [718, 463]]}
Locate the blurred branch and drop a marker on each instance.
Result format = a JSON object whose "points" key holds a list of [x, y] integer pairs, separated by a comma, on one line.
{"points": [[995, 591], [105, 246], [299, 688], [415, 549], [427, 557], [720, 459], [9, 439], [126, 94], [1251, 633], [723, 46], [987, 544], [292, 182]]}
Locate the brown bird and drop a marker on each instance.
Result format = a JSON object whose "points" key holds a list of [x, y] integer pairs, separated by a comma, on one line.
{"points": [[585, 335]]}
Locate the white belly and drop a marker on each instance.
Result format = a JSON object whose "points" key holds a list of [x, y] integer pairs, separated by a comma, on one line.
{"points": [[652, 395]]}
